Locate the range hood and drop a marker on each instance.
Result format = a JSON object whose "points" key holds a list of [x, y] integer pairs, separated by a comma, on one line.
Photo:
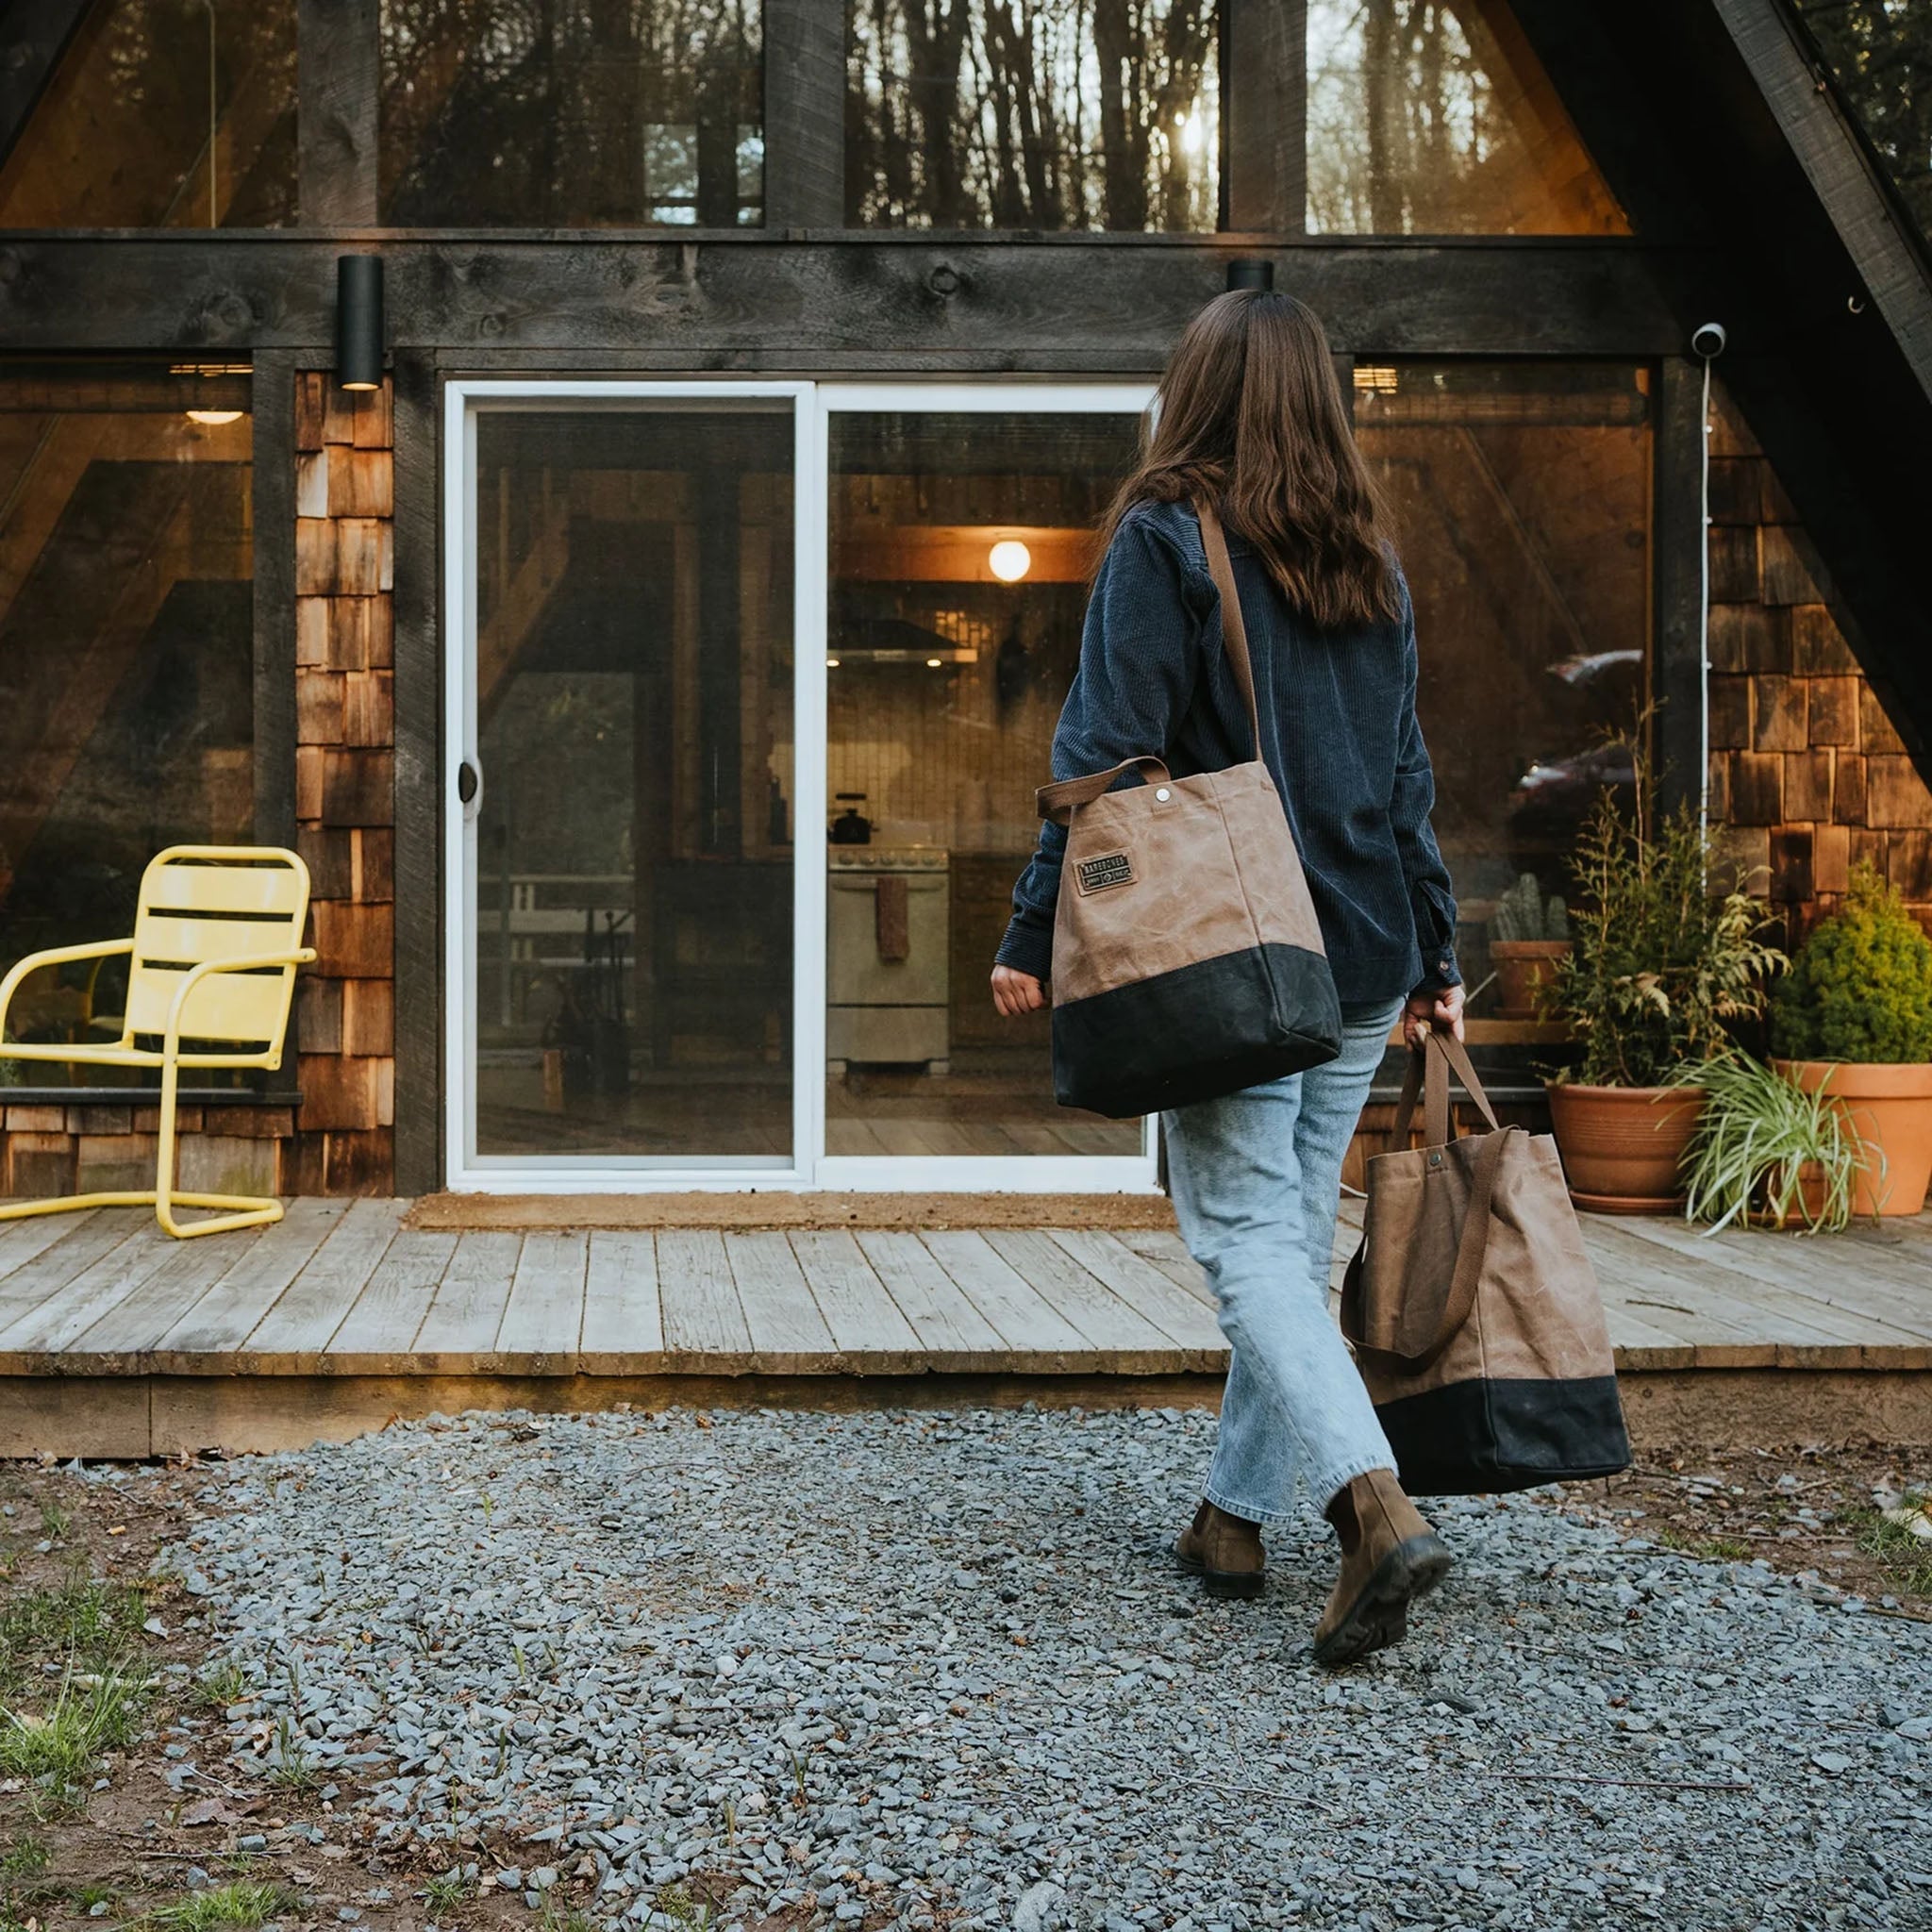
{"points": [[894, 640]]}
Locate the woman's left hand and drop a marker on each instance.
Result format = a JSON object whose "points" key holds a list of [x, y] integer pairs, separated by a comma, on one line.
{"points": [[1440, 1012]]}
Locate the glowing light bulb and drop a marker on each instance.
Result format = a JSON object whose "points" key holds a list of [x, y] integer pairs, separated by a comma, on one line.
{"points": [[831, 663], [214, 418], [1009, 560], [932, 663]]}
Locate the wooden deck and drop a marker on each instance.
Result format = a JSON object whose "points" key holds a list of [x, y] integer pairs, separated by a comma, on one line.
{"points": [[394, 1320]]}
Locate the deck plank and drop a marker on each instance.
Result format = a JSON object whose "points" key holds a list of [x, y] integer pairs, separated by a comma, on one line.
{"points": [[957, 1338], [1123, 1339], [53, 1267], [541, 1329], [866, 1322], [1177, 1314], [121, 1340], [21, 1241], [378, 1334], [1729, 1330], [458, 1334], [1040, 1340], [38, 1333], [218, 1322], [704, 1322], [789, 1334], [291, 1337], [1849, 1274], [1168, 1252], [624, 1324]]}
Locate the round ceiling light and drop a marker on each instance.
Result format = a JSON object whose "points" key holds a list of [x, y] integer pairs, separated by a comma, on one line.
{"points": [[214, 418], [1009, 560]]}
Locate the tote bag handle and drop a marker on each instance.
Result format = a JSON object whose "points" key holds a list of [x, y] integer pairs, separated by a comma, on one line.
{"points": [[1428, 1074]]}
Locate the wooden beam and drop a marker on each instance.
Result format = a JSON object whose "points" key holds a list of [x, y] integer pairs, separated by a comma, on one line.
{"points": [[273, 484], [805, 114], [1887, 258], [34, 34], [338, 81], [1266, 102], [421, 789], [1677, 539], [1092, 304]]}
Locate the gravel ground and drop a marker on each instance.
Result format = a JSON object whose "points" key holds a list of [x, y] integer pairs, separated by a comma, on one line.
{"points": [[935, 1670]]}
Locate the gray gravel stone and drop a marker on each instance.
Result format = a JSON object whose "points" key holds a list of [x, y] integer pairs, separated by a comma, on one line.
{"points": [[916, 1669]]}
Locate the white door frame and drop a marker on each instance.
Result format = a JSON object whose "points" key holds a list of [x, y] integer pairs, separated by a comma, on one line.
{"points": [[813, 404]]}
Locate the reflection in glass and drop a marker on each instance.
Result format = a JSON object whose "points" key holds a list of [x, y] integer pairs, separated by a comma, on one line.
{"points": [[951, 656], [129, 136], [1522, 497], [547, 113], [633, 675], [1063, 115], [1433, 117], [1880, 54], [126, 693]]}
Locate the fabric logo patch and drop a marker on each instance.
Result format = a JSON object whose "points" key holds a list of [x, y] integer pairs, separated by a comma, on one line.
{"points": [[1110, 868]]}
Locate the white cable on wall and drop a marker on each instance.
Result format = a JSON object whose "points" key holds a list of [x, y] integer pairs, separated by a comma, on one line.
{"points": [[1708, 343]]}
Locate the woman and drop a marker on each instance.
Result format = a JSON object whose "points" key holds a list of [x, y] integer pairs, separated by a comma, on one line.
{"points": [[1251, 418]]}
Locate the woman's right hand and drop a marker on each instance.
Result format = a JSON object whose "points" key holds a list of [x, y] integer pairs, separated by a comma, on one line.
{"points": [[1015, 992]]}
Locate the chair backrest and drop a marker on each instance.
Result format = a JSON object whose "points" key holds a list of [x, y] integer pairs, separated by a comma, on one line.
{"points": [[200, 903]]}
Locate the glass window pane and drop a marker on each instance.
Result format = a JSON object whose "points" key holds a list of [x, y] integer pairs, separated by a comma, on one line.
{"points": [[546, 113], [1433, 117], [946, 682], [1522, 496], [1064, 114], [634, 676], [126, 655], [130, 133], [1880, 54]]}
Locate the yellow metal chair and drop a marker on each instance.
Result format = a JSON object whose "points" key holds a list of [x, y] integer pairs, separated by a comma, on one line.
{"points": [[217, 938]]}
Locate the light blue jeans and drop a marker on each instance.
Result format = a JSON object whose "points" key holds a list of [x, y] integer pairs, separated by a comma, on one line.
{"points": [[1257, 1182]]}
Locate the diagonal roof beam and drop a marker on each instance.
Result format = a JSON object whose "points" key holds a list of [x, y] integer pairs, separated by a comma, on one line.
{"points": [[33, 36], [1872, 226]]}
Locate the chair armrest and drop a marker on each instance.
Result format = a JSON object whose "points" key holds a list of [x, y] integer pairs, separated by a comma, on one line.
{"points": [[55, 955], [244, 962]]}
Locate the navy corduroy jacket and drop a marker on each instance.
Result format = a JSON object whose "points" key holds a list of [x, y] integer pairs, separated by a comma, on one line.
{"points": [[1339, 735]]}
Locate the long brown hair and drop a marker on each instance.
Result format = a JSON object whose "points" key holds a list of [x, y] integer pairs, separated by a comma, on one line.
{"points": [[1252, 417]]}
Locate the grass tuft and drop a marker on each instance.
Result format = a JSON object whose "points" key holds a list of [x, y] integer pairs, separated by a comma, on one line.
{"points": [[224, 1685], [87, 1622], [90, 1716], [243, 1902], [1906, 1560], [445, 1890]]}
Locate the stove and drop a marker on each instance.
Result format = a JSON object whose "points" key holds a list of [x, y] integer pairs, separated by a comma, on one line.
{"points": [[889, 978]]}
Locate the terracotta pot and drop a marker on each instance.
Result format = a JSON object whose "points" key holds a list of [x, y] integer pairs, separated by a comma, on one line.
{"points": [[1621, 1145], [1524, 968], [1890, 1108], [1807, 1205]]}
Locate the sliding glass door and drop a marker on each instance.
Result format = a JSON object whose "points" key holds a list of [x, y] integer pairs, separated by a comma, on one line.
{"points": [[749, 689]]}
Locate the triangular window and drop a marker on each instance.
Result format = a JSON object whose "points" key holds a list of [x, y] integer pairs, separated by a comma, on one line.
{"points": [[1433, 117]]}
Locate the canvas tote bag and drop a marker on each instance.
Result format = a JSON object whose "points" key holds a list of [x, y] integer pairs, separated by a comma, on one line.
{"points": [[1187, 958], [1471, 1307]]}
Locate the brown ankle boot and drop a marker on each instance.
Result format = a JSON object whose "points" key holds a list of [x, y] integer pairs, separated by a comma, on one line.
{"points": [[1388, 1554], [1224, 1551]]}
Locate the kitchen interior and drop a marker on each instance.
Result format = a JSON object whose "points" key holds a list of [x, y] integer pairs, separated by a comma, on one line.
{"points": [[961, 549]]}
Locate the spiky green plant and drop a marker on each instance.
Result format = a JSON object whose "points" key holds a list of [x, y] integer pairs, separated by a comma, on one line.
{"points": [[1757, 1141], [1662, 966]]}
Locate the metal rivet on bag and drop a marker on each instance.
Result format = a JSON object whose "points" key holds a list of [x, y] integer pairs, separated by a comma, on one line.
{"points": [[1163, 794], [1435, 1161]]}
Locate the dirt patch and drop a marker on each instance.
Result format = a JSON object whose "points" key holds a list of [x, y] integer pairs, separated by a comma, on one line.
{"points": [[1811, 1511], [1104, 1213], [139, 1835]]}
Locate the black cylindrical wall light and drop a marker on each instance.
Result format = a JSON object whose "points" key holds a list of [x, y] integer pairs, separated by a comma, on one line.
{"points": [[1250, 274], [359, 321]]}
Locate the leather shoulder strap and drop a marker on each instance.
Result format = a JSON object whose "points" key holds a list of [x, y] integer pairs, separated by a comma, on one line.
{"points": [[1234, 631], [1057, 801]]}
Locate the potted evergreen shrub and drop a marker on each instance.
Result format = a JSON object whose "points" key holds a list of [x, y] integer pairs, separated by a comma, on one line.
{"points": [[1661, 966], [1767, 1150], [1529, 934], [1853, 1021]]}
